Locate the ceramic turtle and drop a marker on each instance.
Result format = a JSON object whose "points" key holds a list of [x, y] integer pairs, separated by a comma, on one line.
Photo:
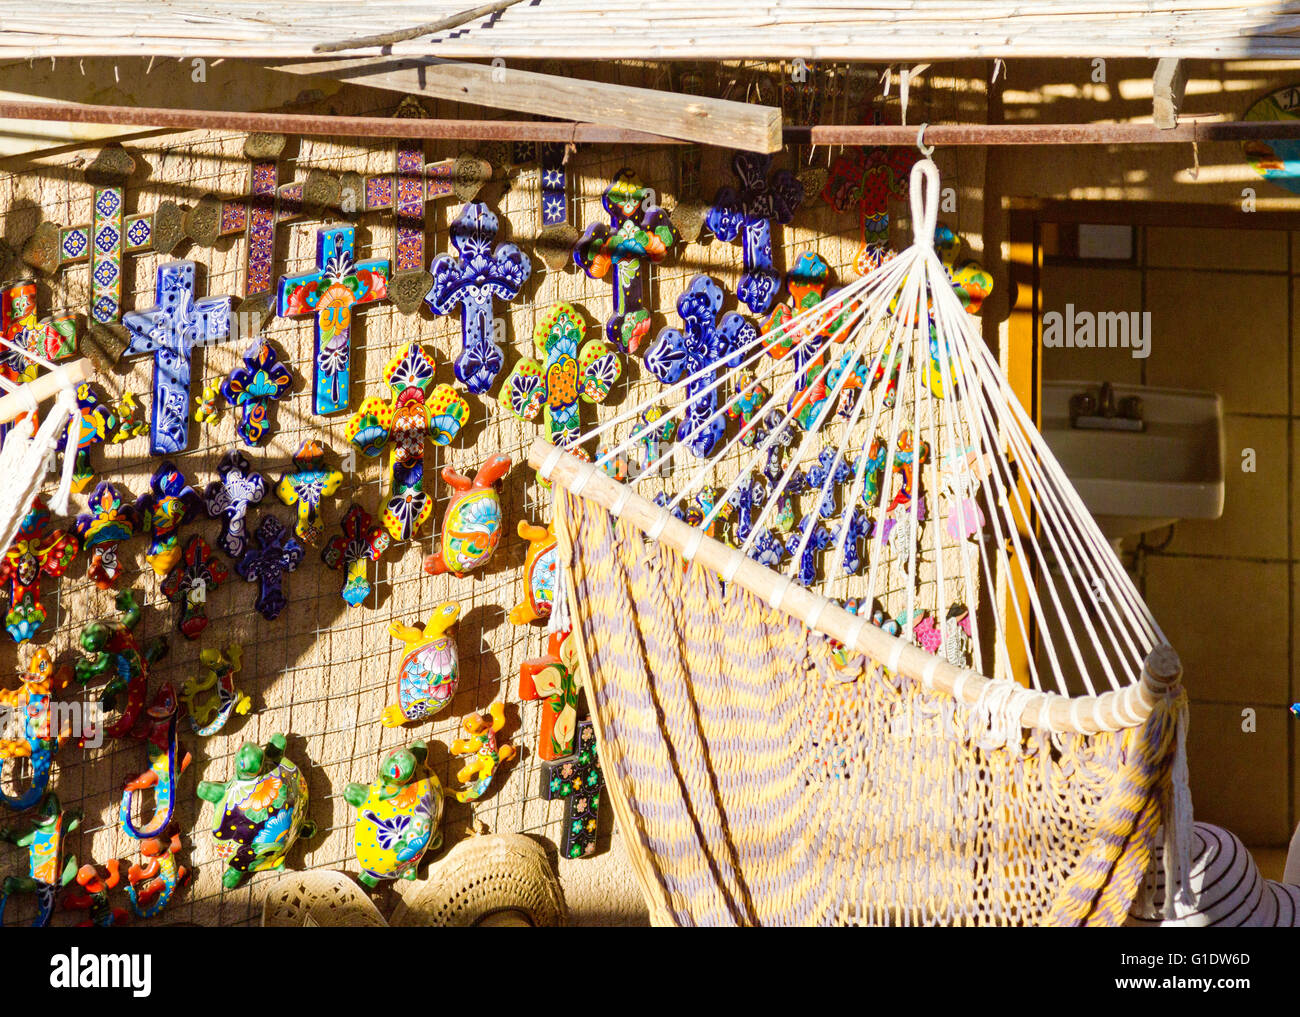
{"points": [[398, 816], [539, 574], [428, 672], [260, 813], [471, 526]]}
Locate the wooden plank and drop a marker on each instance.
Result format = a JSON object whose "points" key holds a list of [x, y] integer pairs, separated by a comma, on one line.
{"points": [[1168, 86], [738, 125]]}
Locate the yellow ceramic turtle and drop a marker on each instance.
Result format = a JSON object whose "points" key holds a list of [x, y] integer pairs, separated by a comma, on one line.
{"points": [[398, 817], [427, 674]]}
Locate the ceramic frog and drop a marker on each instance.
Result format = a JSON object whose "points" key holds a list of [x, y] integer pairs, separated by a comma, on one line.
{"points": [[398, 816], [428, 672], [260, 813]]}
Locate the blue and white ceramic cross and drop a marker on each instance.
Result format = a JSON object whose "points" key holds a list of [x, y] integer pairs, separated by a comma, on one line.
{"points": [[170, 331]]}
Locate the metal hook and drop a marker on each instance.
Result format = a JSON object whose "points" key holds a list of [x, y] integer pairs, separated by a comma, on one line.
{"points": [[926, 150]]}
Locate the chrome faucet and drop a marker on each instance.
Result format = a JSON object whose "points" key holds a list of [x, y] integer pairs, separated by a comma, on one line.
{"points": [[1100, 411]]}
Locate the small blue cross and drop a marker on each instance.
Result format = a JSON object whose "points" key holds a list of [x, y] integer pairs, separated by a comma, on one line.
{"points": [[170, 331]]}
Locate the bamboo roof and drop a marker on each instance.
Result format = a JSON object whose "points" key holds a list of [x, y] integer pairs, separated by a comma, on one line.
{"points": [[868, 30]]}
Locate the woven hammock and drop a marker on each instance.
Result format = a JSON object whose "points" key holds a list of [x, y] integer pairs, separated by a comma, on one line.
{"points": [[974, 720]]}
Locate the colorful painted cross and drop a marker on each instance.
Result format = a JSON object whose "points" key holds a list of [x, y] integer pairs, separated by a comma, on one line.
{"points": [[806, 572], [576, 780], [630, 241], [868, 178], [413, 416], [170, 331], [37, 550], [806, 282], [307, 487], [108, 237], [406, 190], [339, 284], [169, 503], [96, 421], [109, 521], [278, 552], [256, 215], [567, 369], [54, 338], [191, 582], [361, 541], [555, 679], [471, 279], [229, 498], [706, 341], [749, 214], [253, 387]]}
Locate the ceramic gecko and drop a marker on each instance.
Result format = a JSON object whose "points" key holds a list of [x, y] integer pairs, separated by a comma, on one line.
{"points": [[46, 870], [151, 887], [205, 404], [128, 424], [540, 563], [429, 668], [211, 698], [260, 812], [91, 895], [398, 816], [485, 752], [109, 649], [165, 768], [32, 702], [471, 526]]}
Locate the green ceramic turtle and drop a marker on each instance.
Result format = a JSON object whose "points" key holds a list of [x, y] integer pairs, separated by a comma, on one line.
{"points": [[398, 816], [260, 813]]}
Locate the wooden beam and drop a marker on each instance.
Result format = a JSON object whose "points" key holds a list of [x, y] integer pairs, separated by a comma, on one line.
{"points": [[701, 119], [1168, 87]]}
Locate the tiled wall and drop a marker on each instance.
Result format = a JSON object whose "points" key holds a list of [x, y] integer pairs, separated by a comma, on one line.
{"points": [[1223, 306]]}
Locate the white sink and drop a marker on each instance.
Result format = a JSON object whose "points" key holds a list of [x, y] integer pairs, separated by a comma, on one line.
{"points": [[1135, 481]]}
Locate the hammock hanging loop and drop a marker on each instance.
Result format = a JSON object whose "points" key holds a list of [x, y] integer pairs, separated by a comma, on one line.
{"points": [[923, 193]]}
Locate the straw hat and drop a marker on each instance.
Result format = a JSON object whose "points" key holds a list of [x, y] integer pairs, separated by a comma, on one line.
{"points": [[318, 897], [494, 879]]}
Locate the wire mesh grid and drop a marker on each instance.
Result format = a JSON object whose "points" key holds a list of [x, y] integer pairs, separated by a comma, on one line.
{"points": [[322, 672]]}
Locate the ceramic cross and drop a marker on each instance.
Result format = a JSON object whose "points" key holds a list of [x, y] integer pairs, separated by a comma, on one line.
{"points": [[555, 679], [472, 279], [339, 284], [108, 521], [867, 178], [108, 237], [170, 331], [705, 341], [37, 550], [253, 387], [54, 338], [413, 416], [749, 214], [255, 215], [405, 191], [361, 541], [228, 499], [169, 503], [822, 536], [310, 483], [277, 552], [639, 233], [840, 472], [554, 208], [567, 369], [191, 582], [576, 780], [94, 423]]}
